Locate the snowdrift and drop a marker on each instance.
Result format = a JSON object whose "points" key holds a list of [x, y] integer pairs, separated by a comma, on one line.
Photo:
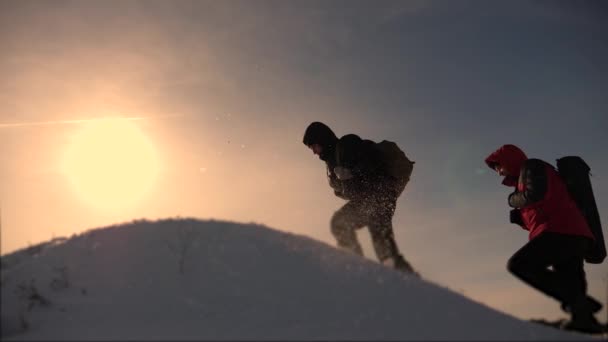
{"points": [[191, 279]]}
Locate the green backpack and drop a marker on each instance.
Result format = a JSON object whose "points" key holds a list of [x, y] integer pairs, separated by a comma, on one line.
{"points": [[396, 163]]}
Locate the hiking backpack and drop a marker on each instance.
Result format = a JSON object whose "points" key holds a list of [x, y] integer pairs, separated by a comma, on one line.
{"points": [[396, 163], [575, 173]]}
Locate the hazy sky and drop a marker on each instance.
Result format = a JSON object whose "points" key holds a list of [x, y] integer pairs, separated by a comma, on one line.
{"points": [[217, 94]]}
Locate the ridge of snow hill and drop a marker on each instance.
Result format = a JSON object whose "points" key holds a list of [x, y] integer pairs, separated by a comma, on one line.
{"points": [[191, 279]]}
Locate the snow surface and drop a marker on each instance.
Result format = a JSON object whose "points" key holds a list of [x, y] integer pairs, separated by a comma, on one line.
{"points": [[181, 279]]}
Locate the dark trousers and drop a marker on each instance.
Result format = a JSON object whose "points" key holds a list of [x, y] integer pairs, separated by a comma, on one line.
{"points": [[377, 215], [565, 281]]}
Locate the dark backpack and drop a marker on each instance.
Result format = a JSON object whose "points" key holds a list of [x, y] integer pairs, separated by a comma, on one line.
{"points": [[575, 173], [395, 162]]}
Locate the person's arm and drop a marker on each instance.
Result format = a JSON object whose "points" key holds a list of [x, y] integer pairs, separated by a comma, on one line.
{"points": [[515, 218], [335, 183], [532, 181]]}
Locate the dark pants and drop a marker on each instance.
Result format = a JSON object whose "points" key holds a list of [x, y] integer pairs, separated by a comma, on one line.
{"points": [[565, 281], [377, 215]]}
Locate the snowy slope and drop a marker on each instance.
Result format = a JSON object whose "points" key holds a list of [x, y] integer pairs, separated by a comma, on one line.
{"points": [[189, 279]]}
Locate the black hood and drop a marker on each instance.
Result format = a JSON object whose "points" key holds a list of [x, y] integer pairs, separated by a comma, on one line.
{"points": [[320, 133]]}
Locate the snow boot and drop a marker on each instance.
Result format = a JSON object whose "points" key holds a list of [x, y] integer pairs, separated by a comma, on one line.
{"points": [[582, 317], [586, 324], [594, 305], [400, 264]]}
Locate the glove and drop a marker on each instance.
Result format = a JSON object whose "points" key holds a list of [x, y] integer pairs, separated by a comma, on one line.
{"points": [[340, 194], [515, 217], [342, 173]]}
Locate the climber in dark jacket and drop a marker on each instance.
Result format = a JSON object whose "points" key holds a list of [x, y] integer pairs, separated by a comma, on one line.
{"points": [[558, 233], [355, 173]]}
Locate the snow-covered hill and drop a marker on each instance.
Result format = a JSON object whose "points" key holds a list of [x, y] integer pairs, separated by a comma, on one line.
{"points": [[190, 279]]}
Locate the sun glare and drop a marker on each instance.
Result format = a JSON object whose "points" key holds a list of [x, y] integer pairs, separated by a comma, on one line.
{"points": [[111, 164]]}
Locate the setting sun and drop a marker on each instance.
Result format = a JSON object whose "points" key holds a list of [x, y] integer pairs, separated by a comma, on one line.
{"points": [[110, 163]]}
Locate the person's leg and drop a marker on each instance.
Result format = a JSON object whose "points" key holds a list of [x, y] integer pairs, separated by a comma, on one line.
{"points": [[531, 264], [383, 237], [565, 282], [344, 224], [571, 275]]}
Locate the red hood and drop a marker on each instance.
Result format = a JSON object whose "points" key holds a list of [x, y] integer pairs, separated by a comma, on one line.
{"points": [[510, 157]]}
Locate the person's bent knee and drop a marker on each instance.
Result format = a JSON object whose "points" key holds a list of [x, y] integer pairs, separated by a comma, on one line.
{"points": [[515, 266], [337, 224]]}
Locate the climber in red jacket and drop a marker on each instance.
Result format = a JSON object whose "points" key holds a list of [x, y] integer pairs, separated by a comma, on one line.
{"points": [[559, 235]]}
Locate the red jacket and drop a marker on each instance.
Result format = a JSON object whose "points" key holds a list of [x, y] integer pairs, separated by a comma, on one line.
{"points": [[541, 195]]}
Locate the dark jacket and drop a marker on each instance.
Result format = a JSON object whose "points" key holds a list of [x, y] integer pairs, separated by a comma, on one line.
{"points": [[540, 194], [360, 157]]}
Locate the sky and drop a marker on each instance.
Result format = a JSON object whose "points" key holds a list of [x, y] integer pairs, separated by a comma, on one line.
{"points": [[117, 110], [208, 277]]}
